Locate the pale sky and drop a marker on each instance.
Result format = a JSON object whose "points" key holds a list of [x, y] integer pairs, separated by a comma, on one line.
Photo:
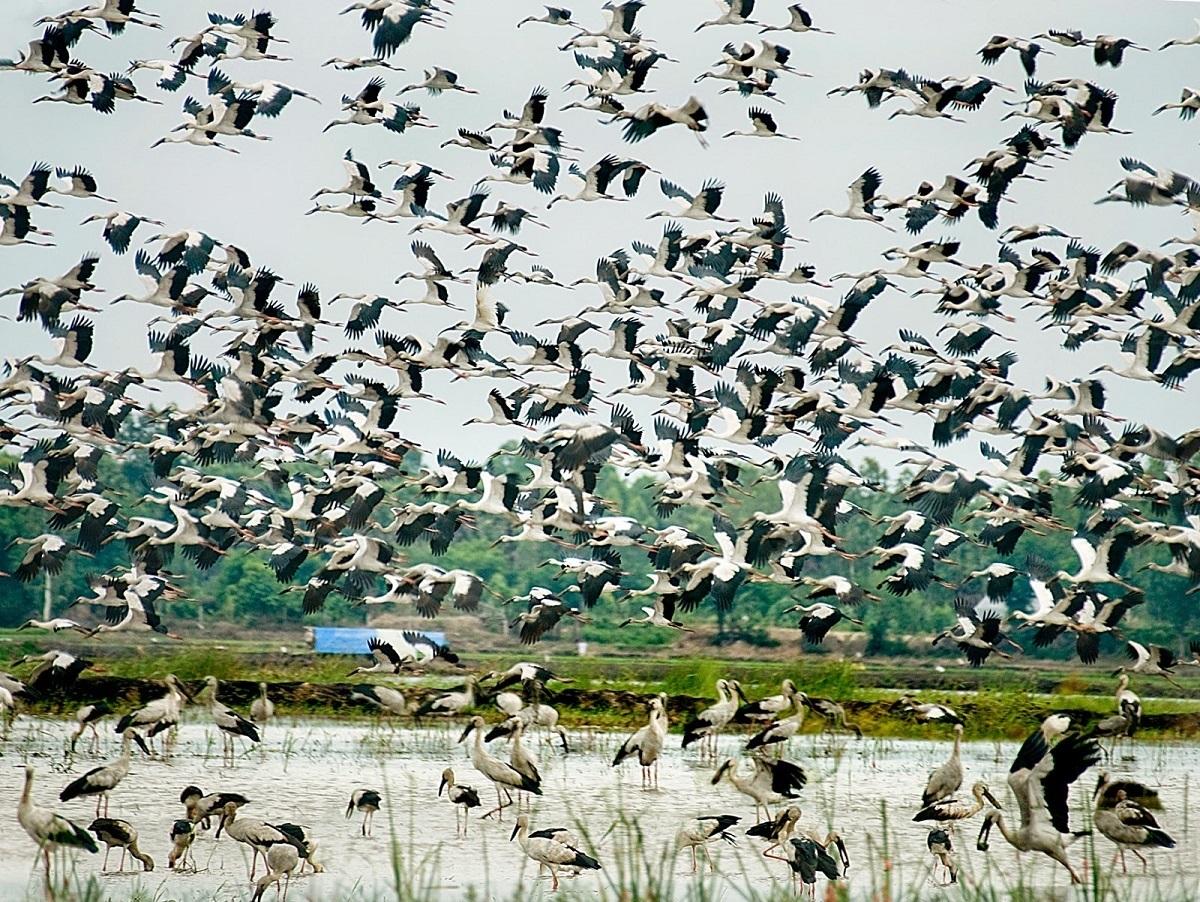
{"points": [[257, 199]]}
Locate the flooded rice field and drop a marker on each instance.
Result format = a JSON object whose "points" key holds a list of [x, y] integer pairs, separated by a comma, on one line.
{"points": [[306, 770]]}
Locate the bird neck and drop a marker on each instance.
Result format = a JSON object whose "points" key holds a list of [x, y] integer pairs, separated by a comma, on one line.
{"points": [[1010, 836]]}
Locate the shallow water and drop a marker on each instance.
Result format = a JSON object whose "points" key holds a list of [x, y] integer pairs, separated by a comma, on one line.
{"points": [[306, 770]]}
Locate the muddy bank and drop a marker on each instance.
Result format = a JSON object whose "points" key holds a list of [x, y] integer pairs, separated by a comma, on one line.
{"points": [[611, 708]]}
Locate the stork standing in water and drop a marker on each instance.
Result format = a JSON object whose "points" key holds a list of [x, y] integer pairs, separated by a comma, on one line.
{"points": [[772, 781], [777, 733], [942, 850], [262, 709], [86, 719], [200, 807], [946, 780], [709, 722], [550, 852], [282, 860], [1130, 826], [228, 721], [779, 830], [464, 798], [100, 781], [49, 830], [159, 715], [535, 714], [502, 774], [700, 831], [117, 833], [1040, 779], [647, 743], [808, 857], [258, 835], [950, 811], [183, 834], [1124, 724], [367, 801], [519, 757]]}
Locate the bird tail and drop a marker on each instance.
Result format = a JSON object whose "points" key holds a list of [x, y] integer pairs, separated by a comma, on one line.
{"points": [[1156, 837], [622, 753], [73, 790], [763, 829], [85, 841], [583, 860], [691, 733]]}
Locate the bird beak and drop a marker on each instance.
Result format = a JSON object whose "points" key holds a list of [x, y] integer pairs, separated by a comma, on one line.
{"points": [[441, 786], [982, 842], [991, 798], [350, 809], [516, 830], [466, 732], [220, 826]]}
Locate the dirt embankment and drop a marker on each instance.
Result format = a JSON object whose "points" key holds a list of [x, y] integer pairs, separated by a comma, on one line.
{"points": [[610, 708]]}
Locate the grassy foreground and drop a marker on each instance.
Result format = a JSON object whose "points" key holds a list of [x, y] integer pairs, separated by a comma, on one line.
{"points": [[609, 691]]}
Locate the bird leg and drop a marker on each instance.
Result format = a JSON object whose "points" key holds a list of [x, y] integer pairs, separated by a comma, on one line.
{"points": [[553, 878], [1142, 858], [500, 805], [124, 851], [707, 854], [104, 865], [693, 859]]}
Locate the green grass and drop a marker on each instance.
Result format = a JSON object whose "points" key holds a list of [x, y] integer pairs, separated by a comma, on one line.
{"points": [[609, 691]]}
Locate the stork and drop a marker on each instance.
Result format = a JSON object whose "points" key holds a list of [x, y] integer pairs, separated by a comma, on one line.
{"points": [[501, 774], [647, 743]]}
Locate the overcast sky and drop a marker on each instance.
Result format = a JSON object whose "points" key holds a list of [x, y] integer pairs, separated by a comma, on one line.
{"points": [[257, 199]]}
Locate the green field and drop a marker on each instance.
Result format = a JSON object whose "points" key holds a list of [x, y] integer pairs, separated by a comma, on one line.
{"points": [[608, 691]]}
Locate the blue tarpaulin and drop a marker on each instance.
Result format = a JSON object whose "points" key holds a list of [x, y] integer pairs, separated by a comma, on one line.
{"points": [[343, 640]]}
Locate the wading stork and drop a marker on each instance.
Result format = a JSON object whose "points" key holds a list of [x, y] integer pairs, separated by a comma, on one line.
{"points": [[49, 830], [501, 774], [1040, 779], [647, 743]]}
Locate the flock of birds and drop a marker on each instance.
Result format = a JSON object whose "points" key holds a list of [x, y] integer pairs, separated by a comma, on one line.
{"points": [[692, 318], [1051, 759]]}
